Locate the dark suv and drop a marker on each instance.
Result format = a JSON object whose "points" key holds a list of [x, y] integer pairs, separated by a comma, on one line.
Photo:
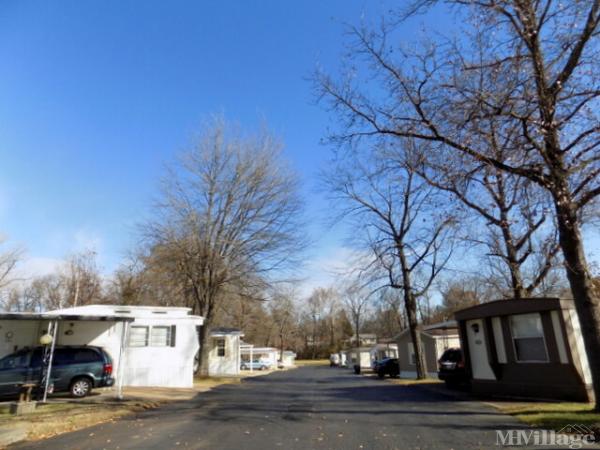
{"points": [[387, 366], [452, 367], [75, 369]]}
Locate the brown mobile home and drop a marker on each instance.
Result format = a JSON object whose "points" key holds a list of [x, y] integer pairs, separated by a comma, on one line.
{"points": [[525, 348]]}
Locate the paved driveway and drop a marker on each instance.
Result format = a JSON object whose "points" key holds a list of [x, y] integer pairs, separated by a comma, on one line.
{"points": [[307, 408]]}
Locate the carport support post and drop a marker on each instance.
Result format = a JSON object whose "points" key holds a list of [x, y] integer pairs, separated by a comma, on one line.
{"points": [[54, 325], [121, 364], [251, 358]]}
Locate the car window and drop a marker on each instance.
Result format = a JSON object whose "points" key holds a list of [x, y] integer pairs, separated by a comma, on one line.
{"points": [[62, 356], [36, 357], [85, 355], [15, 361]]}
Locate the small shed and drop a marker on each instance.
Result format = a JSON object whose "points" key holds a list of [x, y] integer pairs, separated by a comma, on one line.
{"points": [[287, 359], [526, 348], [267, 355], [224, 358], [436, 339], [359, 359]]}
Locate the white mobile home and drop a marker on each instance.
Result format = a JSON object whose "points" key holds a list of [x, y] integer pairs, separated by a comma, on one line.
{"points": [[225, 356], [154, 345]]}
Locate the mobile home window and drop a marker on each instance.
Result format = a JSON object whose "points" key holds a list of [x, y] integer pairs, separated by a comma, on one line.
{"points": [[528, 338], [138, 336], [160, 336], [221, 347]]}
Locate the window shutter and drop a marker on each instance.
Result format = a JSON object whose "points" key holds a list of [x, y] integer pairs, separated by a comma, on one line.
{"points": [[173, 335]]}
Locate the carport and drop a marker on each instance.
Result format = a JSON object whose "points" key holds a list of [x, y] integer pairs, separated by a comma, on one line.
{"points": [[21, 330]]}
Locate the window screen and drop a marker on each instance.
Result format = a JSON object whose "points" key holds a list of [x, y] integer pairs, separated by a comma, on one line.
{"points": [[138, 336], [160, 336], [528, 338]]}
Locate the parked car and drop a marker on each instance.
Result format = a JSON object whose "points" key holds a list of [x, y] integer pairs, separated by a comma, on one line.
{"points": [[334, 360], [452, 367], [387, 366], [255, 365], [75, 369]]}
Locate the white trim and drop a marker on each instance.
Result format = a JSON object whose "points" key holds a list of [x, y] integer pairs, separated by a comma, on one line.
{"points": [[560, 338], [587, 374]]}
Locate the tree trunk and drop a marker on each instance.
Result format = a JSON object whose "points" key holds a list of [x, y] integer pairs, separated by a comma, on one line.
{"points": [[587, 303], [281, 345], [204, 341], [415, 333]]}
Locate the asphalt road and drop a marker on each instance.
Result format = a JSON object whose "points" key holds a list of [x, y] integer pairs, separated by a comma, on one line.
{"points": [[306, 408]]}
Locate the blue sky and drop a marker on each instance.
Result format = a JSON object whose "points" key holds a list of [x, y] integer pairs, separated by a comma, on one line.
{"points": [[95, 97]]}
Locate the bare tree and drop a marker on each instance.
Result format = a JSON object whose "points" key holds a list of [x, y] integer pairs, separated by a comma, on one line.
{"points": [[228, 213], [320, 308], [8, 262], [356, 301], [529, 64], [404, 226], [521, 240], [283, 314], [81, 279]]}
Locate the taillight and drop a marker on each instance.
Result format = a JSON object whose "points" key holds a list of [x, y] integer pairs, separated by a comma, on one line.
{"points": [[108, 369], [460, 364]]}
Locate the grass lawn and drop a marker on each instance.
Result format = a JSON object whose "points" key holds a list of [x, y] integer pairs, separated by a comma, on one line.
{"points": [[412, 381], [553, 416], [312, 362]]}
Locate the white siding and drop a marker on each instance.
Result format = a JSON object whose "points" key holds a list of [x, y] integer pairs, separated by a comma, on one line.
{"points": [[572, 316], [560, 337], [229, 364]]}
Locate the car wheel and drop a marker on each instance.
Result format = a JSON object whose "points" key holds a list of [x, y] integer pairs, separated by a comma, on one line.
{"points": [[80, 387], [263, 367], [381, 374], [394, 375]]}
